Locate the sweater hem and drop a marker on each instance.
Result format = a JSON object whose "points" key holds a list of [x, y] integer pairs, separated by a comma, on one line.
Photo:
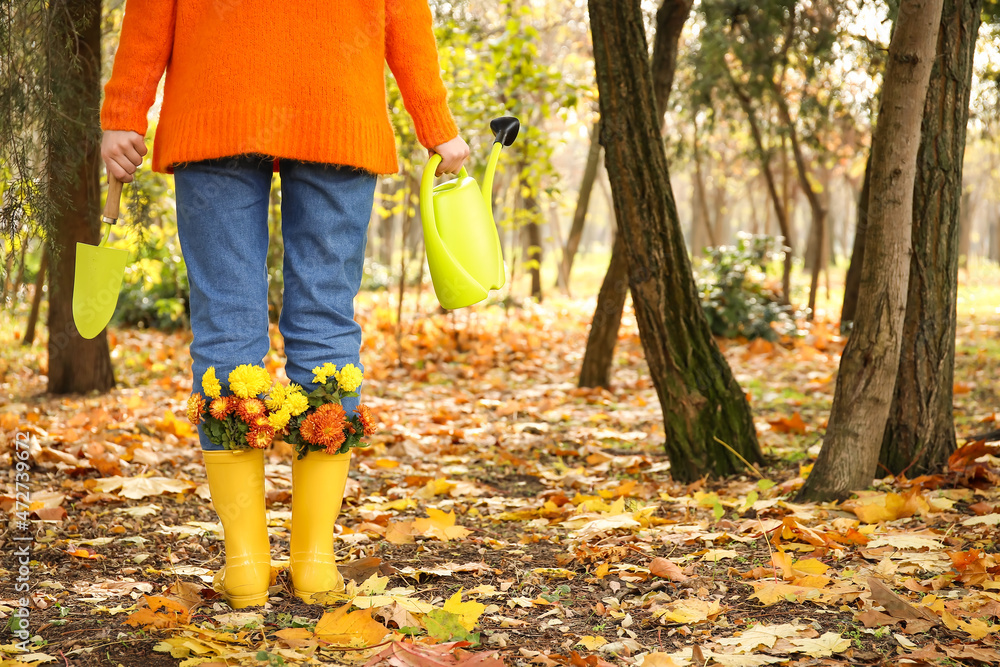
{"points": [[278, 131]]}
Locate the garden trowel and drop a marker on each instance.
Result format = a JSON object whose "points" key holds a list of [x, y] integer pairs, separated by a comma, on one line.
{"points": [[99, 273]]}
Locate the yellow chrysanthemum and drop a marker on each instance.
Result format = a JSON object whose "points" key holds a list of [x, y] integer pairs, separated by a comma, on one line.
{"points": [[323, 373], [247, 381], [210, 384], [296, 403], [279, 420], [276, 399], [350, 377]]}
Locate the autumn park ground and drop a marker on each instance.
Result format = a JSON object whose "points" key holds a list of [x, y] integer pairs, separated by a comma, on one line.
{"points": [[503, 507]]}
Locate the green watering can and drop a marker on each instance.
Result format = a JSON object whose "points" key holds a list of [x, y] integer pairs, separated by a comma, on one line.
{"points": [[99, 273], [460, 236]]}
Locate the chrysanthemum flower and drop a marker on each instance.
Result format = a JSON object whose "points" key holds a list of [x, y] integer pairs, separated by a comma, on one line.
{"points": [[247, 381], [221, 407], [260, 437], [250, 408], [276, 398], [195, 408], [325, 427], [323, 373], [210, 384], [367, 419], [296, 403], [350, 377], [279, 420]]}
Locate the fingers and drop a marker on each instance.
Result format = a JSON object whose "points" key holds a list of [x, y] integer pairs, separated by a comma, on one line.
{"points": [[122, 153]]}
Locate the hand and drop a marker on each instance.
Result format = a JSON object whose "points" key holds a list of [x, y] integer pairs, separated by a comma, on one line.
{"points": [[122, 151], [453, 153]]}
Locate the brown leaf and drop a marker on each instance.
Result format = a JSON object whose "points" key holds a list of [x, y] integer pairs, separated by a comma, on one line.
{"points": [[662, 567], [897, 606], [697, 657], [875, 619]]}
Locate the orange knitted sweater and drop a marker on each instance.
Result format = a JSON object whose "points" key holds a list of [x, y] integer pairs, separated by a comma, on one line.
{"points": [[301, 79]]}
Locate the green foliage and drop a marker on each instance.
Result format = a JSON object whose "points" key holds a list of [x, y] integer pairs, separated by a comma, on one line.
{"points": [[155, 291], [733, 294]]}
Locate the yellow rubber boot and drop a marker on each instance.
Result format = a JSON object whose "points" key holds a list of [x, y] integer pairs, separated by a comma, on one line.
{"points": [[318, 482], [236, 479]]}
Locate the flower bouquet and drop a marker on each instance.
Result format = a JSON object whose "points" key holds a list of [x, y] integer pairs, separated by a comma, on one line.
{"points": [[311, 422], [325, 426]]}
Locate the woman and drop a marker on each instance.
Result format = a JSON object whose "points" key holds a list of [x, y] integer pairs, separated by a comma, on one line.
{"points": [[254, 88]]}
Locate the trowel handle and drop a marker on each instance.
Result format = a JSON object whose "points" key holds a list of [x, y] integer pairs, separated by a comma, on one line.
{"points": [[113, 201]]}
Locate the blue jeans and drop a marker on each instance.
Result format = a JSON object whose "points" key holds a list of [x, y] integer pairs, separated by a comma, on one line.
{"points": [[222, 209]]}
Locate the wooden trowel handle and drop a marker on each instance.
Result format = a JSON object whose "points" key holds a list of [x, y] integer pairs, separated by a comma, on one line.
{"points": [[114, 200]]}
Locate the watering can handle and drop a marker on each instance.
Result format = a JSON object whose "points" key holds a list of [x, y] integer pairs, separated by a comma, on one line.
{"points": [[113, 202], [435, 160]]}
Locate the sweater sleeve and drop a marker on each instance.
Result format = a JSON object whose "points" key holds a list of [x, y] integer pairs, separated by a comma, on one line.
{"points": [[412, 55], [144, 49]]}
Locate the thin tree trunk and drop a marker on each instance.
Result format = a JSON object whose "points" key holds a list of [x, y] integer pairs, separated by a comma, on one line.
{"points": [[850, 453], [965, 230], [705, 228], [603, 337], [920, 435], [853, 281], [780, 210], [670, 19], [36, 300], [76, 365], [702, 402], [817, 229], [582, 204]]}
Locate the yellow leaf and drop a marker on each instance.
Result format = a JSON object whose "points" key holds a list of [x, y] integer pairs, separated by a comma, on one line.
{"points": [[356, 629], [658, 659], [976, 628], [440, 525], [591, 643], [468, 612], [810, 566], [689, 611]]}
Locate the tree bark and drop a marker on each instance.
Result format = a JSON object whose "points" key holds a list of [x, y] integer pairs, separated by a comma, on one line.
{"points": [[853, 280], [76, 365], [965, 230], [670, 19], [850, 452], [582, 204], [920, 434], [603, 337], [36, 300], [702, 402]]}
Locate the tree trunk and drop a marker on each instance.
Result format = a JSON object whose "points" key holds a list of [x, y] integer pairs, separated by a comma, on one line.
{"points": [[36, 300], [920, 434], [780, 209], [850, 453], [817, 229], [702, 403], [670, 19], [965, 230], [76, 365], [853, 281], [704, 229], [534, 237], [603, 336], [582, 204]]}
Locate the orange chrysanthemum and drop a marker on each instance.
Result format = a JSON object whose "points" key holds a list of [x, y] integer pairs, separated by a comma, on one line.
{"points": [[367, 419], [325, 427], [221, 407], [195, 408], [250, 408], [260, 437]]}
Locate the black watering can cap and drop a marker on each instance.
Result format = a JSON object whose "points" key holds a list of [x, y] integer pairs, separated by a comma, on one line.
{"points": [[505, 128]]}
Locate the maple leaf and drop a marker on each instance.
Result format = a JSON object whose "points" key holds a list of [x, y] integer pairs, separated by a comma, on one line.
{"points": [[468, 612], [174, 613], [440, 525], [690, 611], [140, 487], [446, 626], [355, 629]]}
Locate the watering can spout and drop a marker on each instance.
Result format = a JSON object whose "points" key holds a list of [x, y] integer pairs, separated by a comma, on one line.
{"points": [[460, 235]]}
